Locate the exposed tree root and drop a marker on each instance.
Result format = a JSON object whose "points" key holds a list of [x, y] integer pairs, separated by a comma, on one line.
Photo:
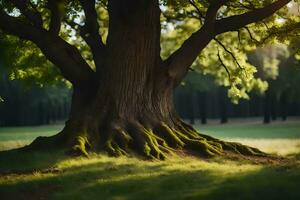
{"points": [[156, 141], [46, 143], [81, 146]]}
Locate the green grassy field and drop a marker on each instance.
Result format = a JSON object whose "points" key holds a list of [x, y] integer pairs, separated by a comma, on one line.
{"points": [[53, 175], [253, 129], [13, 137]]}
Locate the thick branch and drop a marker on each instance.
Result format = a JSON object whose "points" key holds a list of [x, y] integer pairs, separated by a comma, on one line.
{"points": [[90, 31], [239, 21], [180, 61], [212, 10], [67, 58], [82, 31], [55, 21], [34, 17], [59, 52], [15, 27]]}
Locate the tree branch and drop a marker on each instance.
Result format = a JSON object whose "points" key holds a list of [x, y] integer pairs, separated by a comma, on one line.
{"points": [[239, 21], [223, 64], [55, 21], [251, 36], [14, 26], [192, 2], [34, 17], [180, 61], [65, 56], [90, 31], [82, 31], [212, 10], [229, 52]]}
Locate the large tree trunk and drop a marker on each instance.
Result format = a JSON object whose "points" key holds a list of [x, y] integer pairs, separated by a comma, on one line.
{"points": [[128, 108]]}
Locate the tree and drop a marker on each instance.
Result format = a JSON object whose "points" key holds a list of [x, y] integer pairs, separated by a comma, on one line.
{"points": [[192, 96], [286, 85], [267, 60], [122, 98]]}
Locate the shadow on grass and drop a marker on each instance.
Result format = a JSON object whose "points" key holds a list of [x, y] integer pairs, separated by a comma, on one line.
{"points": [[129, 181], [22, 161]]}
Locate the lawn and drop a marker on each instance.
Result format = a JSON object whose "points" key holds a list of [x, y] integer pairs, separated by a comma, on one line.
{"points": [[253, 129], [53, 175]]}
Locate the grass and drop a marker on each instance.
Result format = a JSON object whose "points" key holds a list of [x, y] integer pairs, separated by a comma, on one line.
{"points": [[53, 175], [254, 130], [27, 132], [282, 138], [102, 177], [14, 137]]}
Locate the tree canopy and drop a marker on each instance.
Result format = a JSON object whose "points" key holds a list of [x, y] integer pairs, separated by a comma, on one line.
{"points": [[78, 23]]}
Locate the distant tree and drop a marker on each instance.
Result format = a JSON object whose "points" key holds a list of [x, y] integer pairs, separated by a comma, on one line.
{"points": [[195, 89], [279, 67], [110, 51], [287, 84]]}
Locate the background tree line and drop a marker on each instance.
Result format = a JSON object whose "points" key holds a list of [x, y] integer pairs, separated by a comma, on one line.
{"points": [[199, 97], [31, 105], [31, 91]]}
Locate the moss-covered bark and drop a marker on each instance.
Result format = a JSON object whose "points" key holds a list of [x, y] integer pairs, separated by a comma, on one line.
{"points": [[157, 141]]}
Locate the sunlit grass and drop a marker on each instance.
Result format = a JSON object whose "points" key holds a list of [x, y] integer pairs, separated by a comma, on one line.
{"points": [[15, 137], [103, 172], [130, 178], [12, 144], [253, 129], [27, 132], [281, 147]]}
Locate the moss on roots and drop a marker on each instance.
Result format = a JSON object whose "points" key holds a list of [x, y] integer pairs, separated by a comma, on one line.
{"points": [[160, 141], [81, 146]]}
